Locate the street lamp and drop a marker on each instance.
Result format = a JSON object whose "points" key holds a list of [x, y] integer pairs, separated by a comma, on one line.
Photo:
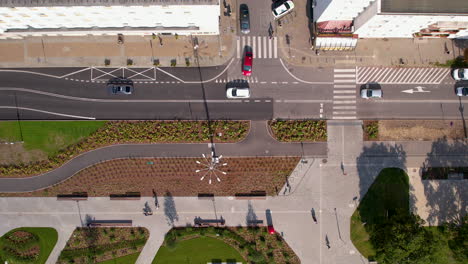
{"points": [[211, 167]]}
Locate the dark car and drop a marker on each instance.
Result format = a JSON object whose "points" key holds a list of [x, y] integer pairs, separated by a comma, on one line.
{"points": [[120, 85], [244, 19]]}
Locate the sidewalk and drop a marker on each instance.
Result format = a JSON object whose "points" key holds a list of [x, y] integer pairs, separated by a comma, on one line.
{"points": [[369, 52], [136, 51]]}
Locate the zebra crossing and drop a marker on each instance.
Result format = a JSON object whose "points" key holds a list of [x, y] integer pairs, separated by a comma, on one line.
{"points": [[344, 94], [242, 79], [262, 47], [385, 75]]}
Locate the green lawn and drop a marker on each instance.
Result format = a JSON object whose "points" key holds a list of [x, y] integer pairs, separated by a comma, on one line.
{"points": [[389, 192], [48, 136], [198, 250], [47, 239], [132, 258]]}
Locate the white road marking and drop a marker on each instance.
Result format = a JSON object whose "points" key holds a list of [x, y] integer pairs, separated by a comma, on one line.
{"points": [[307, 101], [48, 112], [275, 47], [345, 75], [344, 96], [270, 55], [344, 86], [345, 102], [344, 117], [238, 47], [264, 47], [254, 42], [344, 113], [259, 47], [344, 70], [345, 81], [344, 91], [300, 80], [342, 107]]}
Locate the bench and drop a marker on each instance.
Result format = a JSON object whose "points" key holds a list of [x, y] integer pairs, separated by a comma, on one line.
{"points": [[199, 222], [110, 223]]}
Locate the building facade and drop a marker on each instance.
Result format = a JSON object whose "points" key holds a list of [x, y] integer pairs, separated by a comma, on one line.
{"points": [[339, 23], [19, 18]]}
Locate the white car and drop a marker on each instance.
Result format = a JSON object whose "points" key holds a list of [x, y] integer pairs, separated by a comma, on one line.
{"points": [[462, 91], [281, 8], [460, 74], [371, 90], [238, 93]]}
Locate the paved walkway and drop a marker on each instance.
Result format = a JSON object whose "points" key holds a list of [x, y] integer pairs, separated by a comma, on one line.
{"points": [[257, 143], [330, 186]]}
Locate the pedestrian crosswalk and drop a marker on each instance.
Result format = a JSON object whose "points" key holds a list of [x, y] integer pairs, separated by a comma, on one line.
{"points": [[262, 47], [344, 94], [249, 79], [385, 75]]}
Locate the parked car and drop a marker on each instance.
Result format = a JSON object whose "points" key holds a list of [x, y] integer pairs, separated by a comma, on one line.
{"points": [[244, 19], [460, 74], [462, 91], [281, 8], [120, 85], [235, 92], [247, 64], [371, 90]]}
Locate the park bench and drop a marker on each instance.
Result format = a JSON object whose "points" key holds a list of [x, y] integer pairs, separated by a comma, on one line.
{"points": [[110, 223]]}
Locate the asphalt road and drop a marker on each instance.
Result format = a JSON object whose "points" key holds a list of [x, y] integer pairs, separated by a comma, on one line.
{"points": [[278, 91]]}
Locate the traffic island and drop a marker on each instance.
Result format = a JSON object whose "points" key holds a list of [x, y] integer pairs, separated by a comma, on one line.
{"points": [[104, 245], [27, 245], [226, 244], [298, 130], [162, 175]]}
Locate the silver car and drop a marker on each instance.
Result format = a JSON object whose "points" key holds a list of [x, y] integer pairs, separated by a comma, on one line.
{"points": [[371, 90], [460, 74], [238, 93]]}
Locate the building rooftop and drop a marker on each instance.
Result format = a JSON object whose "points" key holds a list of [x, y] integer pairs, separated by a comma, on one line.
{"points": [[425, 6], [48, 3]]}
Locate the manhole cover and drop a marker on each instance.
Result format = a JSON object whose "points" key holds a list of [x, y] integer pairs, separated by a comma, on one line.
{"points": [[324, 161]]}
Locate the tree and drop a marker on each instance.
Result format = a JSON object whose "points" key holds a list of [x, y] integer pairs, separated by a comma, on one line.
{"points": [[402, 239], [459, 240]]}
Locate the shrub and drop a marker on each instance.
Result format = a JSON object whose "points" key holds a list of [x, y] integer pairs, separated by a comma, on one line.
{"points": [[107, 62], [129, 62], [173, 62], [372, 129]]}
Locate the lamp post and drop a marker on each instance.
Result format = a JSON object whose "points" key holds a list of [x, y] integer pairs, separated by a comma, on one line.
{"points": [[211, 167]]}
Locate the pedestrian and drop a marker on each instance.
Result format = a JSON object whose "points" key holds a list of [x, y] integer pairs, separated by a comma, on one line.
{"points": [[313, 216], [327, 242]]}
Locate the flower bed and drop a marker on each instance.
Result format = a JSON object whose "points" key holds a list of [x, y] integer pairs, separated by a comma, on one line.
{"points": [[299, 130], [93, 245], [144, 175], [135, 132], [27, 245], [254, 244], [371, 130]]}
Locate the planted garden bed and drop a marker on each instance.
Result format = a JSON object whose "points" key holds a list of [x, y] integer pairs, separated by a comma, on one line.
{"points": [[244, 175], [27, 245], [136, 132], [371, 130], [299, 130], [98, 244], [253, 245]]}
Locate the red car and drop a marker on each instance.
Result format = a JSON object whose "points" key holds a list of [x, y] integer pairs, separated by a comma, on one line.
{"points": [[247, 65], [271, 229]]}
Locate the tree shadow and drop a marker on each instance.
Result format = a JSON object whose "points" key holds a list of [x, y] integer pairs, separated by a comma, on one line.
{"points": [[170, 209], [373, 159], [446, 200]]}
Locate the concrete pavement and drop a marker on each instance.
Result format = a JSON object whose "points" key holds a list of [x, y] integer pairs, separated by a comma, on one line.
{"points": [[332, 186]]}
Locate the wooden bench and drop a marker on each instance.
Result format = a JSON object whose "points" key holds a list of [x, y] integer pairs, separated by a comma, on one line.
{"points": [[110, 223], [199, 222]]}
